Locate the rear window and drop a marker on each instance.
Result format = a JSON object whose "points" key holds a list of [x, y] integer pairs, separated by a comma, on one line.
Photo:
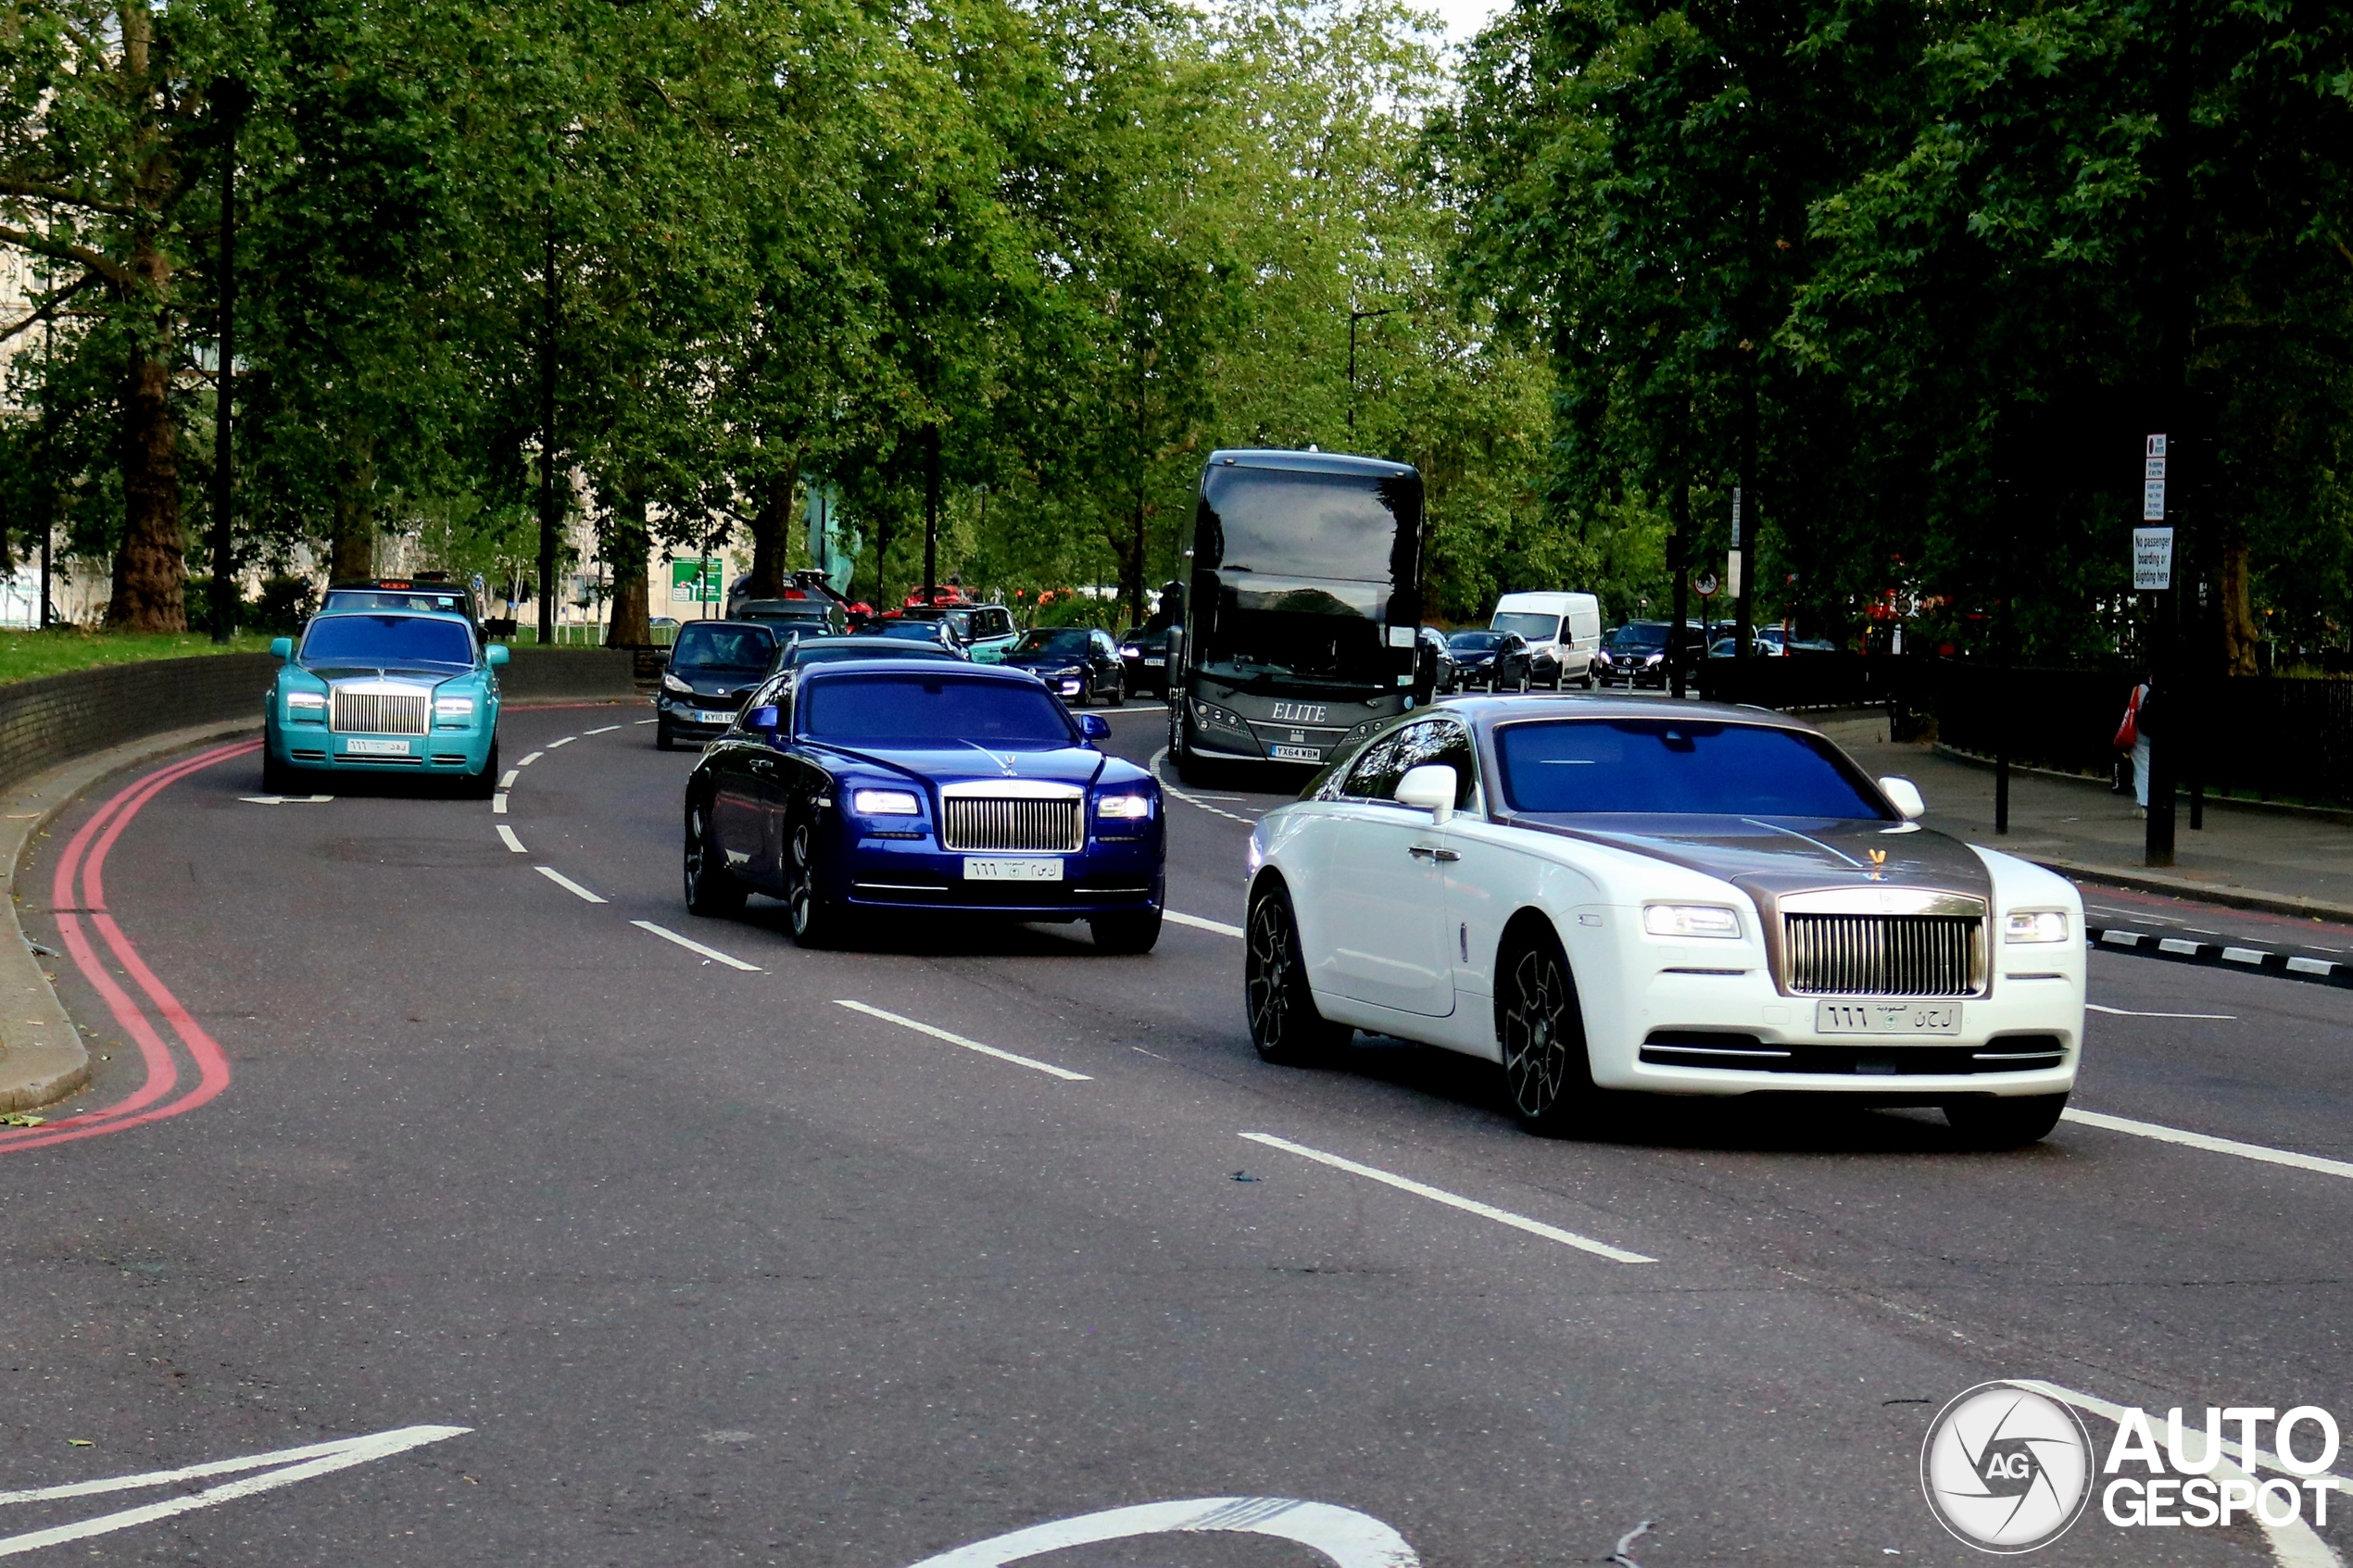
{"points": [[393, 598], [934, 709], [723, 647], [386, 640], [1677, 768]]}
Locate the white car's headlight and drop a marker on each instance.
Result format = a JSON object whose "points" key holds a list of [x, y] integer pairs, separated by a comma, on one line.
{"points": [[2035, 925], [453, 706], [1124, 808], [885, 803], [673, 683], [1690, 919], [306, 701]]}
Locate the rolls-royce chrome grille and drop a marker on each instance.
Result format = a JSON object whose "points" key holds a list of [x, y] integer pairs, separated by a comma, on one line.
{"points": [[380, 713], [997, 823], [1883, 955]]}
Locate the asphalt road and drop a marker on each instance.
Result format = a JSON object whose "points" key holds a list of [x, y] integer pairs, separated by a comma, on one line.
{"points": [[713, 1269]]}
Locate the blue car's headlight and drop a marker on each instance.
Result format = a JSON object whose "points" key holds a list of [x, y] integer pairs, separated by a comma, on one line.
{"points": [[1124, 807], [885, 803]]}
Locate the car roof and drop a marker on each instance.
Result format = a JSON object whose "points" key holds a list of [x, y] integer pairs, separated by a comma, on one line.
{"points": [[898, 647], [686, 626], [1310, 462], [379, 611], [961, 669], [1486, 711]]}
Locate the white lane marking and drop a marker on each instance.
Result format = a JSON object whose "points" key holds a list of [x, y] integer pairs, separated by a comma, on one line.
{"points": [[2129, 1013], [1198, 924], [499, 804], [552, 874], [2175, 945], [1046, 1067], [1468, 1205], [530, 759], [2298, 965], [2294, 1544], [1194, 801], [650, 720], [2211, 1145], [299, 1464], [566, 741], [507, 779], [507, 836], [286, 799], [1341, 1536], [2242, 955], [687, 942], [2201, 931], [2111, 910], [606, 731], [2121, 938]]}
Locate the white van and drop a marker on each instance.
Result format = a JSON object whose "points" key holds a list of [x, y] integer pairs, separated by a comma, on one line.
{"points": [[1564, 631]]}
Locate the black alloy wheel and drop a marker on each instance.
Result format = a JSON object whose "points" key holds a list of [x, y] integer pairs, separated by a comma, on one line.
{"points": [[483, 785], [711, 889], [1284, 1025], [1985, 1121], [815, 921], [1128, 931], [1541, 1029]]}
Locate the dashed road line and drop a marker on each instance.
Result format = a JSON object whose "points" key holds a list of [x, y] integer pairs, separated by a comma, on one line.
{"points": [[1454, 1200], [507, 779], [606, 731], [530, 759], [2256, 1152], [566, 741], [650, 720], [937, 1034], [713, 954], [2215, 954], [1198, 924], [499, 804], [2134, 1012], [1194, 801], [567, 883], [507, 836]]}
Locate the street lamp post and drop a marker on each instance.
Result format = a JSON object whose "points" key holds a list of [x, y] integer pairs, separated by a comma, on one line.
{"points": [[1354, 317]]}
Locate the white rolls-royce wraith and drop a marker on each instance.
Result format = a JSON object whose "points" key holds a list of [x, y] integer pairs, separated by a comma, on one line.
{"points": [[1626, 895]]}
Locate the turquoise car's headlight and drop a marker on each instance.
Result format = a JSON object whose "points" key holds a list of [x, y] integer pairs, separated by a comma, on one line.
{"points": [[306, 707], [453, 712]]}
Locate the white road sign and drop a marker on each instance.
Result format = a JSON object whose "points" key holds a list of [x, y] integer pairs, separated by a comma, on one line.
{"points": [[2152, 559]]}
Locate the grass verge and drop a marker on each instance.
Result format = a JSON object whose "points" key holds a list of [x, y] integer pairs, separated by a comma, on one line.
{"points": [[26, 656]]}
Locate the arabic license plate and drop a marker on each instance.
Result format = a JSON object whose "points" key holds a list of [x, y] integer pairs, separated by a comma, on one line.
{"points": [[713, 716], [361, 745], [1295, 753], [1887, 1018], [1013, 871]]}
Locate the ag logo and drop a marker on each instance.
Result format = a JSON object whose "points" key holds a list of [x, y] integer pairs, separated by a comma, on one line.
{"points": [[2006, 1469]]}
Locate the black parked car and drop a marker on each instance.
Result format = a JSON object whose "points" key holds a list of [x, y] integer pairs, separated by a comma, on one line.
{"points": [[713, 670], [802, 652], [1498, 661], [1077, 663]]}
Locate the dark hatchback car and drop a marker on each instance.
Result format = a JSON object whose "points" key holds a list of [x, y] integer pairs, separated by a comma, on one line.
{"points": [[883, 788], [714, 666], [1077, 663], [1498, 661]]}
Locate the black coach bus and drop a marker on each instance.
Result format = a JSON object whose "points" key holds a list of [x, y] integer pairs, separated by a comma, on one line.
{"points": [[1301, 612]]}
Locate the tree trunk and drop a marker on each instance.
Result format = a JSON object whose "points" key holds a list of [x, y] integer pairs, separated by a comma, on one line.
{"points": [[151, 566], [625, 549], [2240, 631], [771, 535], [351, 551]]}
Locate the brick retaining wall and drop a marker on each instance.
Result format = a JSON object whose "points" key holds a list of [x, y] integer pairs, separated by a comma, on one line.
{"points": [[58, 718]]}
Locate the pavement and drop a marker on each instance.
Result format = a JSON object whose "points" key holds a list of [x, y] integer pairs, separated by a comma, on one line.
{"points": [[580, 1230]]}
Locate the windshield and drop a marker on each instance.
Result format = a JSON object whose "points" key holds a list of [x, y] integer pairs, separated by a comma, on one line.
{"points": [[934, 709], [1474, 641], [1638, 634], [387, 640], [1536, 628], [1676, 767], [1072, 641], [388, 598], [1271, 523], [723, 647]]}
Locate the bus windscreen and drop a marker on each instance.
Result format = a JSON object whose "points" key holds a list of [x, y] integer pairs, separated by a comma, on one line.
{"points": [[1271, 523]]}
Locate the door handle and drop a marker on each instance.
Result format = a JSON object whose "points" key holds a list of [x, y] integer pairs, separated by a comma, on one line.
{"points": [[1433, 852]]}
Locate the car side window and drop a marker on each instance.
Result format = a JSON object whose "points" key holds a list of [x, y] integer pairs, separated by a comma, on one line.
{"points": [[1391, 756]]}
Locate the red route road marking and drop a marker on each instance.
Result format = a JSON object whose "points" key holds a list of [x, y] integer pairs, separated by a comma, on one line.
{"points": [[104, 826]]}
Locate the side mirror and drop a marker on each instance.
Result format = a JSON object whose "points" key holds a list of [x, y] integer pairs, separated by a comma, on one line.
{"points": [[282, 648], [1094, 726], [496, 654], [1430, 787], [1904, 796], [762, 718]]}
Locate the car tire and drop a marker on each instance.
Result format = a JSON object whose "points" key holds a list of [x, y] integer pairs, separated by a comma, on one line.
{"points": [[484, 785], [662, 739], [1127, 933], [1540, 1030], [816, 921], [1118, 695], [1984, 1122], [1277, 1000], [1524, 683], [276, 777], [711, 889]]}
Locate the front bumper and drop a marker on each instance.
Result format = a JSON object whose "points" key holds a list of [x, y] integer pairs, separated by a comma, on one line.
{"points": [[696, 718], [314, 747], [1110, 876]]}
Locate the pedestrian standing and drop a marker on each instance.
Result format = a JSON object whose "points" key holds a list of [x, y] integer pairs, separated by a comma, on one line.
{"points": [[2133, 738]]}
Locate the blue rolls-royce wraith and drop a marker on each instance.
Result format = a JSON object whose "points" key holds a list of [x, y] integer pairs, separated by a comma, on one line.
{"points": [[383, 692], [865, 788]]}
